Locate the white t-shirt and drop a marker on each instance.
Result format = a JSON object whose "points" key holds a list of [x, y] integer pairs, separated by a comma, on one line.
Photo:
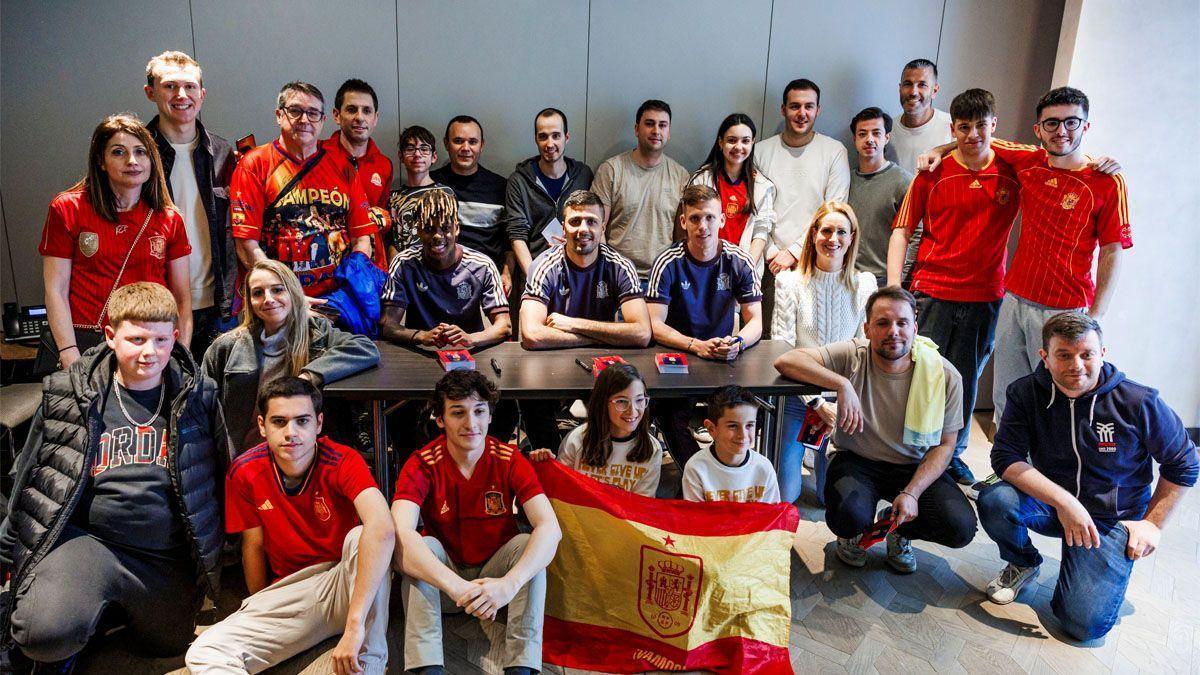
{"points": [[706, 479], [638, 478], [186, 195], [908, 143], [804, 179]]}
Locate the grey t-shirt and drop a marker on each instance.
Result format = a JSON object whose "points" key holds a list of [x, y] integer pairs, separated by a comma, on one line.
{"points": [[128, 498], [875, 198], [884, 398], [641, 206]]}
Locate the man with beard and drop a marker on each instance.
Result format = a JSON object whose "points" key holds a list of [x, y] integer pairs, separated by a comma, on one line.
{"points": [[574, 292], [888, 383], [921, 127]]}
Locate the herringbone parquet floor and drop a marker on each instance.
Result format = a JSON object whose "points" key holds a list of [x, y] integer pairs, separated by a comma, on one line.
{"points": [[936, 620]]}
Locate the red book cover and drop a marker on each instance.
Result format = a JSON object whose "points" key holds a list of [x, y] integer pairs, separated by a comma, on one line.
{"points": [[456, 359], [601, 362], [671, 363]]}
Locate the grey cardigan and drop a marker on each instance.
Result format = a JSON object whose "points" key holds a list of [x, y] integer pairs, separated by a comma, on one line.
{"points": [[235, 359]]}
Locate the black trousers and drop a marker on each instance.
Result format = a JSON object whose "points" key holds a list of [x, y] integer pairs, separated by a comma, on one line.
{"points": [[855, 484], [60, 604], [674, 417]]}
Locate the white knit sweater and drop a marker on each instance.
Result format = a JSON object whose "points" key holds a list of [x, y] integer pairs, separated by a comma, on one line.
{"points": [[812, 311]]}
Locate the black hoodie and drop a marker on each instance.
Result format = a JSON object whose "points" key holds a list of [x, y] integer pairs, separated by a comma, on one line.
{"points": [[528, 207]]}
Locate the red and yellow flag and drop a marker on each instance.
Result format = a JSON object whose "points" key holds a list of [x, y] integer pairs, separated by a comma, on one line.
{"points": [[643, 584]]}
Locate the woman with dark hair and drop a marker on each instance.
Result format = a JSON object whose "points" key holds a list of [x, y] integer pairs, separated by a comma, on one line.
{"points": [[614, 445], [276, 336], [114, 227], [747, 196]]}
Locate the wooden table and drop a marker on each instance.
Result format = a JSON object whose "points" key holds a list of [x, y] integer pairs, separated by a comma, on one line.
{"points": [[407, 373]]}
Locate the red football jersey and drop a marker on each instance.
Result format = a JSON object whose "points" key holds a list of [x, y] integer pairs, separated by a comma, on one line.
{"points": [[97, 247], [374, 171], [1065, 216], [312, 227], [968, 216], [472, 517], [304, 529], [733, 205]]}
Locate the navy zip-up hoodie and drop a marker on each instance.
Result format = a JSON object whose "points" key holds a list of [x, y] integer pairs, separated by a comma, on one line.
{"points": [[1101, 446]]}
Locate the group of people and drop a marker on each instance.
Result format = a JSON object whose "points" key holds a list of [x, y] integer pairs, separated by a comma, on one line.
{"points": [[892, 289]]}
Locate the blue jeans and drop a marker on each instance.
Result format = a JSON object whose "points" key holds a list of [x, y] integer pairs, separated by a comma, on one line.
{"points": [[1091, 582], [965, 333], [791, 455]]}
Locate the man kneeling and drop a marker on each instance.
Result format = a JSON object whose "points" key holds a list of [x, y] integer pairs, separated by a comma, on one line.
{"points": [[1075, 449], [899, 412], [309, 508], [462, 486]]}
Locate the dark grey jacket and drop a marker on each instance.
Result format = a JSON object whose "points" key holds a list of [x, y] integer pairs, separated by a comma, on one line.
{"points": [[63, 443], [528, 207], [235, 359], [213, 163]]}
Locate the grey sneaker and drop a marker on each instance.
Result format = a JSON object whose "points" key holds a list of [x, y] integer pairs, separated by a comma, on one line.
{"points": [[900, 554], [849, 552], [1004, 588], [978, 486]]}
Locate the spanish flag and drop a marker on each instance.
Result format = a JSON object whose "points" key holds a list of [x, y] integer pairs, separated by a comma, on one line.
{"points": [[644, 584]]}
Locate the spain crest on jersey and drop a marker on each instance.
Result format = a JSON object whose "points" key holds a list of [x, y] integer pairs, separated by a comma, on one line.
{"points": [[321, 508], [1069, 201], [493, 503], [89, 243], [158, 246], [1002, 196], [669, 585]]}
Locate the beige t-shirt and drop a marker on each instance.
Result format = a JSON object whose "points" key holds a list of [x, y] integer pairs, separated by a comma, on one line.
{"points": [[884, 398], [641, 206]]}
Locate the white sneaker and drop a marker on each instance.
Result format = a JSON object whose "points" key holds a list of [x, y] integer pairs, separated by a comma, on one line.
{"points": [[1005, 587], [849, 552], [701, 435], [900, 554]]}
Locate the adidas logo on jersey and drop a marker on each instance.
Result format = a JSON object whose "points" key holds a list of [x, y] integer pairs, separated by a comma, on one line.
{"points": [[975, 184], [1053, 182], [445, 509], [266, 505]]}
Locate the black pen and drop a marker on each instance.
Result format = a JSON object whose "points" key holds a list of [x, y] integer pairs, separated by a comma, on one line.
{"points": [[583, 365], [495, 366]]}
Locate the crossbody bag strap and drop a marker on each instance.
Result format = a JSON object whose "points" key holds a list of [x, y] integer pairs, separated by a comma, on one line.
{"points": [[120, 273], [308, 166]]}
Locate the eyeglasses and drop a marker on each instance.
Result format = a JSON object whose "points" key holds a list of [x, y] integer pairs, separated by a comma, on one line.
{"points": [[1050, 124], [416, 150], [623, 404], [294, 113]]}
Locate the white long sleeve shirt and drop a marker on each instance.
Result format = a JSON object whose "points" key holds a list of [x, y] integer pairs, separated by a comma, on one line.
{"points": [[804, 178]]}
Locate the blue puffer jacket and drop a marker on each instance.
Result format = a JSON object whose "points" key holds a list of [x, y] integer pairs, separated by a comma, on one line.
{"points": [[1101, 446]]}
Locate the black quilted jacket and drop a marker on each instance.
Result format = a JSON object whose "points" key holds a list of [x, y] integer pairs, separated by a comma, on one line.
{"points": [[63, 443]]}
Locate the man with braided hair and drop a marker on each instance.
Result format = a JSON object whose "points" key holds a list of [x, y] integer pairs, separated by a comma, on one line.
{"points": [[435, 297], [438, 291]]}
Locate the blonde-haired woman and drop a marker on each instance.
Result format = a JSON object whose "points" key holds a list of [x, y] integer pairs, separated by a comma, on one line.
{"points": [[822, 300], [277, 335]]}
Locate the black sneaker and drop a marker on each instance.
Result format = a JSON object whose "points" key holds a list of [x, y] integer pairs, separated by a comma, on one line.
{"points": [[960, 473]]}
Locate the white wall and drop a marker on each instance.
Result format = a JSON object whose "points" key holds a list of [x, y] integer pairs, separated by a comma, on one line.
{"points": [[1139, 64]]}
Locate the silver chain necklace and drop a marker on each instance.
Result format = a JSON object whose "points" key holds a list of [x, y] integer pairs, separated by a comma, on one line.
{"points": [[162, 394]]}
